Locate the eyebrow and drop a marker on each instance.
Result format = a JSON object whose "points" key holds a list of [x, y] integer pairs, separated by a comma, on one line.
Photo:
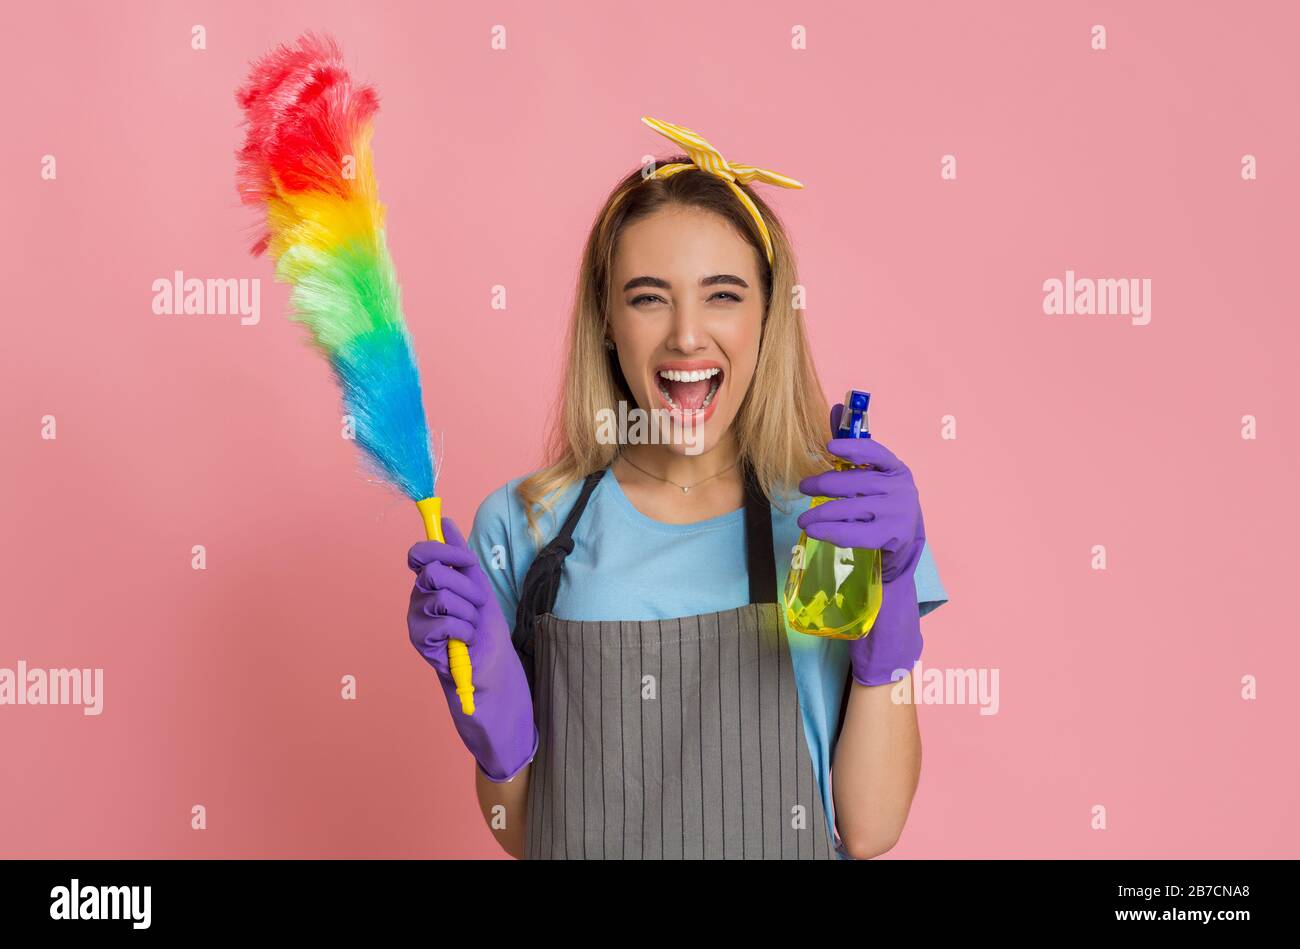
{"points": [[704, 282]]}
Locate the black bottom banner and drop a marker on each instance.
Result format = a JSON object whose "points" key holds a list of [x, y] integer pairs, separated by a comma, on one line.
{"points": [[496, 899]]}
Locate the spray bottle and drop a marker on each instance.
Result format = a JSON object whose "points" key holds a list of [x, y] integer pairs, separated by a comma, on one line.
{"points": [[834, 591]]}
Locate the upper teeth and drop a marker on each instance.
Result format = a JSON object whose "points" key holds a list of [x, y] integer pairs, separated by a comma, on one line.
{"points": [[693, 375]]}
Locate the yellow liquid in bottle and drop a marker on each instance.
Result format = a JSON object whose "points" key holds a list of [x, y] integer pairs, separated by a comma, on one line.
{"points": [[833, 591]]}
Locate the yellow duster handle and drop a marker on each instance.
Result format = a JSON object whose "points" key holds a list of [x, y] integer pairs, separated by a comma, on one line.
{"points": [[457, 652]]}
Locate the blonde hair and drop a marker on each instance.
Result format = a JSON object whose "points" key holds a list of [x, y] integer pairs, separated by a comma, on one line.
{"points": [[783, 421]]}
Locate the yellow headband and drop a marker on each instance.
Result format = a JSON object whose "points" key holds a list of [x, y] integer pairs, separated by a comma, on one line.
{"points": [[707, 158]]}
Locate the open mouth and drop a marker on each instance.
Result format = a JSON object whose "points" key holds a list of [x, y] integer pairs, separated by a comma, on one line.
{"points": [[689, 390]]}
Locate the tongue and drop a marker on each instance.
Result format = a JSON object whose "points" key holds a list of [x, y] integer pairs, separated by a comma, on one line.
{"points": [[689, 395]]}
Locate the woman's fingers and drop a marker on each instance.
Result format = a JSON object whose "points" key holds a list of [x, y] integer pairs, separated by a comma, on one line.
{"points": [[849, 484], [428, 632], [873, 535], [432, 551], [867, 523], [446, 603], [475, 570], [439, 576], [453, 535], [840, 509], [431, 639], [865, 451], [443, 628], [453, 552]]}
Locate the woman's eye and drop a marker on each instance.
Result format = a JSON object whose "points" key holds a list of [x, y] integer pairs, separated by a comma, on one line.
{"points": [[637, 300]]}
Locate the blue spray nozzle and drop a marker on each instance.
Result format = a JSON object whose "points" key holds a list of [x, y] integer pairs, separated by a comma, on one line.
{"points": [[853, 420]]}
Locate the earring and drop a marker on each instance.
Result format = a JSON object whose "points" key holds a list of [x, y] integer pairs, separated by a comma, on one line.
{"points": [[609, 343]]}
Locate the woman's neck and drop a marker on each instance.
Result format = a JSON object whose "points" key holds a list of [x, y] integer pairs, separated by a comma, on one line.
{"points": [[653, 478]]}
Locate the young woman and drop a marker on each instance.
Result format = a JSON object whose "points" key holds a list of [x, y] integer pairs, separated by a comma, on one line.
{"points": [[638, 692]]}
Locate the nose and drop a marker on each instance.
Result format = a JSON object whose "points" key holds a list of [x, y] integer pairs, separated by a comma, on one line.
{"points": [[686, 334]]}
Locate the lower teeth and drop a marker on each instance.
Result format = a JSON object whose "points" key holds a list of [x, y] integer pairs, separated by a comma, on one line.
{"points": [[713, 390]]}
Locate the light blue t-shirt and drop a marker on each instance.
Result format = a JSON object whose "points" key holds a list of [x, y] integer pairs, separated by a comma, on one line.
{"points": [[628, 566]]}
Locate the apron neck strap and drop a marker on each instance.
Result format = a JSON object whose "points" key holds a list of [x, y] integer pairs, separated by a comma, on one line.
{"points": [[564, 539], [758, 542], [542, 581]]}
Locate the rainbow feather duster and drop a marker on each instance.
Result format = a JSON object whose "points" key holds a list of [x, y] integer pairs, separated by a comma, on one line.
{"points": [[307, 166], [307, 163]]}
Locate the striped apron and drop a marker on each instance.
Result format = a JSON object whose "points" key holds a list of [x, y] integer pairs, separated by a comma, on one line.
{"points": [[667, 739]]}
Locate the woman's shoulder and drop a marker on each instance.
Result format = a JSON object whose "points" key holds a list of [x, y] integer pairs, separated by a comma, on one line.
{"points": [[499, 512], [502, 513], [502, 502]]}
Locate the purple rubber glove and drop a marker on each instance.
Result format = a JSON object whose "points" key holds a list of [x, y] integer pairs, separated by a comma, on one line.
{"points": [[876, 510], [452, 599]]}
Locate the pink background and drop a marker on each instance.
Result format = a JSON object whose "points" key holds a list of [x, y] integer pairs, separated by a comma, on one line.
{"points": [[1119, 688]]}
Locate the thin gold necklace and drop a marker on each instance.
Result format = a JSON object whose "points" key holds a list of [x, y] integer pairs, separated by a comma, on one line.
{"points": [[686, 488]]}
